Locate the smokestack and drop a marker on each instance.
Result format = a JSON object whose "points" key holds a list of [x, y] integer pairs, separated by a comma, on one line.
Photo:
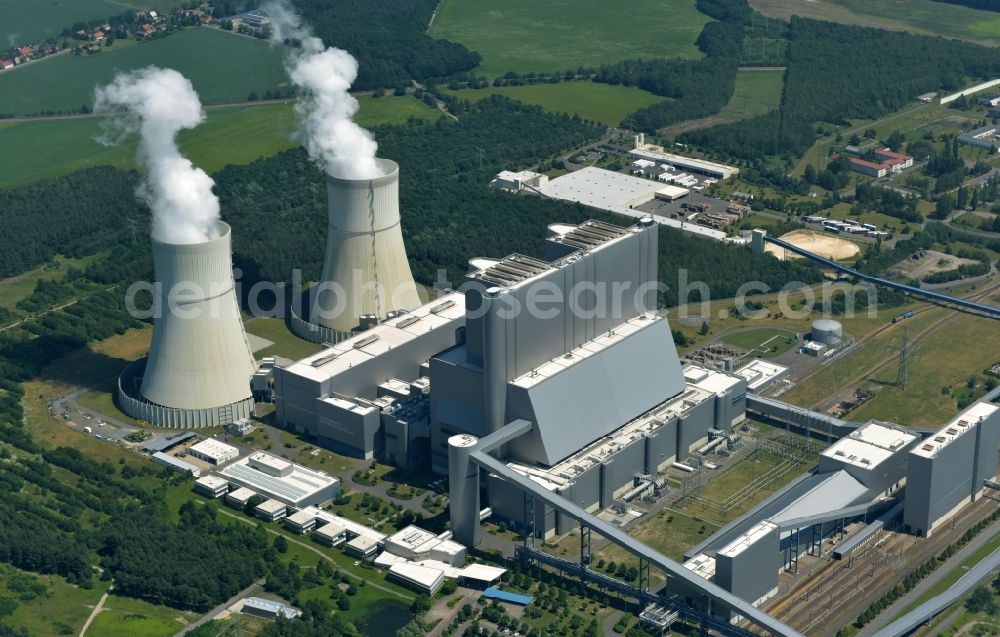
{"points": [[199, 365], [365, 273]]}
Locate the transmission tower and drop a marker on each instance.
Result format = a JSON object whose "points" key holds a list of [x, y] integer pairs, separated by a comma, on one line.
{"points": [[903, 355]]}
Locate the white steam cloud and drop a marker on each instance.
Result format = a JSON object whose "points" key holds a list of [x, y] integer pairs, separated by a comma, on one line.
{"points": [[325, 107], [157, 104]]}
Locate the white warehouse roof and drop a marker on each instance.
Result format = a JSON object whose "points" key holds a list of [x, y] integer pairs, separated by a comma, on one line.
{"points": [[869, 445], [298, 485], [702, 165], [618, 192], [954, 429], [215, 450]]}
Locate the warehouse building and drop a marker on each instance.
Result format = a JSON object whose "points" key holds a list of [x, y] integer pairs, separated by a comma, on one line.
{"points": [[176, 464], [518, 181], [278, 479], [214, 451], [423, 579], [946, 471], [760, 375], [622, 194], [651, 152], [268, 608], [986, 137]]}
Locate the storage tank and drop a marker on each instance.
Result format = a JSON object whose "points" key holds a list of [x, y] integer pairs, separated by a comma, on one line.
{"points": [[826, 331], [365, 272], [200, 363]]}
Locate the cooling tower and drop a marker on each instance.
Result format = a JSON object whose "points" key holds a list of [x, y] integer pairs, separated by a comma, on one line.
{"points": [[199, 365], [366, 275]]}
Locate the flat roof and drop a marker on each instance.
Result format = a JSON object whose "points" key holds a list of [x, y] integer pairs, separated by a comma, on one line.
{"points": [[271, 606], [371, 343], [711, 380], [482, 572], [701, 565], [242, 494], [212, 482], [214, 449], [955, 428], [758, 373], [177, 463], [680, 160], [302, 517], [363, 542], [300, 484], [617, 192], [869, 445], [753, 535], [412, 537], [355, 528], [271, 506], [330, 529]]}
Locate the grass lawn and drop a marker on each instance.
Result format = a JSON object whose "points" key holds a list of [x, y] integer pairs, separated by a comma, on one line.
{"points": [[558, 35], [33, 22], [19, 287], [933, 365], [915, 16], [756, 93], [125, 616], [223, 68], [602, 103], [230, 135], [766, 341], [62, 609], [285, 343]]}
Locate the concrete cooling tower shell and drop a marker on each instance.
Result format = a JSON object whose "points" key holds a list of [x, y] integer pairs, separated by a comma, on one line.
{"points": [[200, 363], [365, 273]]}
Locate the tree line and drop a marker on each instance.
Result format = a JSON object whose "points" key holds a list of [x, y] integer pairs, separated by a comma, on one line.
{"points": [[835, 73]]}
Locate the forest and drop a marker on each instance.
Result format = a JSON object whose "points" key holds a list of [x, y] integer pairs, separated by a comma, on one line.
{"points": [[389, 39], [988, 5], [834, 76], [695, 88]]}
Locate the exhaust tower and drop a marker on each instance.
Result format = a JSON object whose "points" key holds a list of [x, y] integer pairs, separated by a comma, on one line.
{"points": [[199, 366]]}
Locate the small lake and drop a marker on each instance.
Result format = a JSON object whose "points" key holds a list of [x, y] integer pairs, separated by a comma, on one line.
{"points": [[385, 618]]}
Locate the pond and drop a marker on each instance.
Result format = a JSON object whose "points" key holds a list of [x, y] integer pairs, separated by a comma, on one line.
{"points": [[385, 618]]}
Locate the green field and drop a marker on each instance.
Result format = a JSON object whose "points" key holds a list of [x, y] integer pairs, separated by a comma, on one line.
{"points": [[125, 616], [230, 135], [916, 16], [602, 103], [756, 93], [285, 343], [15, 288], [223, 68], [558, 35], [60, 609], [34, 21], [763, 342]]}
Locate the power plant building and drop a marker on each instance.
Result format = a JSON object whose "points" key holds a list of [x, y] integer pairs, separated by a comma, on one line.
{"points": [[199, 366], [539, 340], [946, 471], [280, 480]]}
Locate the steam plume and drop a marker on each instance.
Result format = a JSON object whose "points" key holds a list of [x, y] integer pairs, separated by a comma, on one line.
{"points": [[325, 107], [157, 104]]}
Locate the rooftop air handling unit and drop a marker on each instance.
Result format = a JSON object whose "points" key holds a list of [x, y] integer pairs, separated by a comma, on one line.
{"points": [[366, 277], [199, 366]]}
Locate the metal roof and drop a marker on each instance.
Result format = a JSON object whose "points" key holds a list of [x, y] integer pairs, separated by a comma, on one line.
{"points": [[162, 444], [506, 596]]}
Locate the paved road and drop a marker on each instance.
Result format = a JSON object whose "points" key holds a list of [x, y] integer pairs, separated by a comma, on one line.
{"points": [[470, 597], [212, 614], [97, 609], [608, 627], [929, 581]]}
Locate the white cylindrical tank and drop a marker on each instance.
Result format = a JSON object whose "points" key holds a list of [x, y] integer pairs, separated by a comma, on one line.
{"points": [[826, 331], [199, 357], [365, 272]]}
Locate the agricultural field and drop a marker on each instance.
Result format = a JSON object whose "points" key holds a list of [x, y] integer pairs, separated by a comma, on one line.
{"points": [[224, 68], [230, 135], [756, 93], [602, 103], [763, 342], [35, 21], [916, 16], [559, 35]]}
